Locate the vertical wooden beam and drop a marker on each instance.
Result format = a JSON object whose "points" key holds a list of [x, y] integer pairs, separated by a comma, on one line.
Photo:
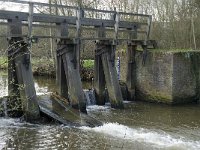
{"points": [[80, 15], [99, 77], [107, 51], [13, 29], [62, 78], [73, 85], [30, 20], [131, 66], [61, 72], [112, 83], [19, 58], [131, 71], [75, 90], [26, 84]]}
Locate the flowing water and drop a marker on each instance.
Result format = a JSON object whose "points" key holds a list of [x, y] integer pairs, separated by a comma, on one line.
{"points": [[139, 126]]}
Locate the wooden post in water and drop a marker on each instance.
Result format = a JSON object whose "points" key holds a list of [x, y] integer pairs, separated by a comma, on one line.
{"points": [[99, 77], [61, 73], [106, 49], [20, 74], [131, 66], [71, 86]]}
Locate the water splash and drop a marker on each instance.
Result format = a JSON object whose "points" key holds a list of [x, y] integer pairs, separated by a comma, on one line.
{"points": [[141, 135], [90, 96], [98, 108]]}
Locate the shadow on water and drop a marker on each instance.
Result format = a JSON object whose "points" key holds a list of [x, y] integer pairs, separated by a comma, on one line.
{"points": [[139, 126]]}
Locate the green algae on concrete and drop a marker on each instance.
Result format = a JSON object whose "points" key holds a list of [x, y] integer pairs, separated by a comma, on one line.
{"points": [[171, 77]]}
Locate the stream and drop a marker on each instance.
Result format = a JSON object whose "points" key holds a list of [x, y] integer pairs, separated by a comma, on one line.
{"points": [[139, 126]]}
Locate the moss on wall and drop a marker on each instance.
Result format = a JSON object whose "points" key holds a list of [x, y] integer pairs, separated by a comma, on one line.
{"points": [[171, 77]]}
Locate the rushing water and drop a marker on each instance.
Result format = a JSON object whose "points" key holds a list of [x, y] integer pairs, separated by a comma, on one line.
{"points": [[139, 126]]}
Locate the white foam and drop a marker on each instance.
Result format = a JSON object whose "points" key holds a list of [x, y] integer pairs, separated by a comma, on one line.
{"points": [[16, 123], [158, 140], [98, 108], [3, 86]]}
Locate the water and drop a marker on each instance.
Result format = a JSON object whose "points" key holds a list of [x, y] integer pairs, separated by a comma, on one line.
{"points": [[139, 126]]}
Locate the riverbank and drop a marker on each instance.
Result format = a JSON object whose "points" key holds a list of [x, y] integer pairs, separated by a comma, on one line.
{"points": [[46, 67]]}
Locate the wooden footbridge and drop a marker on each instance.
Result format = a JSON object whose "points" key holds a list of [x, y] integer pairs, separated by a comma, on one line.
{"points": [[21, 84]]}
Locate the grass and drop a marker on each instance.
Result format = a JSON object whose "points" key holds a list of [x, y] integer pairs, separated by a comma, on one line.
{"points": [[3, 62], [173, 50], [44, 66], [88, 63]]}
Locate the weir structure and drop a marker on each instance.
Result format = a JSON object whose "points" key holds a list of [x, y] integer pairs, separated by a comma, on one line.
{"points": [[21, 85]]}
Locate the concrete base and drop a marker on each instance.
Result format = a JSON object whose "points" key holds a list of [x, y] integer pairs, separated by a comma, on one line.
{"points": [[168, 77]]}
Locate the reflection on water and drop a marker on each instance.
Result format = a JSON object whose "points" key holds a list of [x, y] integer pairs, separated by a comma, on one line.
{"points": [[139, 126]]}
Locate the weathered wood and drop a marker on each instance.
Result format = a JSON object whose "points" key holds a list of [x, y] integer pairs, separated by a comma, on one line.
{"points": [[21, 72], [69, 19], [64, 113], [76, 8], [67, 51], [61, 69], [14, 27], [99, 80], [112, 83], [30, 20], [75, 90], [99, 77], [62, 78], [106, 51], [26, 85], [131, 68]]}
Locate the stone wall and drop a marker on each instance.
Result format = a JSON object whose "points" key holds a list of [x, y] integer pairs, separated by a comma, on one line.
{"points": [[167, 76]]}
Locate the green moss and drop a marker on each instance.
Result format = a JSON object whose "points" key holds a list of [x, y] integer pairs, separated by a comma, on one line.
{"points": [[88, 63], [173, 50], [3, 62], [153, 96]]}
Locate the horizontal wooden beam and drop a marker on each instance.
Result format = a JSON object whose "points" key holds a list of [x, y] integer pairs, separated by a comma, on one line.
{"points": [[45, 18], [39, 4], [74, 7]]}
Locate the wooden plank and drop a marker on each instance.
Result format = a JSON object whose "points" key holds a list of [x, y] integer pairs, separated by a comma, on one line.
{"points": [[99, 77], [69, 19], [40, 4], [22, 71], [131, 71], [114, 91], [99, 80], [105, 50], [134, 14], [61, 78], [75, 90], [65, 114], [26, 85], [74, 7], [14, 27], [30, 20]]}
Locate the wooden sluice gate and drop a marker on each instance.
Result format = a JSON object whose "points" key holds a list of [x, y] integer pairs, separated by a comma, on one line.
{"points": [[73, 110], [20, 77], [105, 72]]}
